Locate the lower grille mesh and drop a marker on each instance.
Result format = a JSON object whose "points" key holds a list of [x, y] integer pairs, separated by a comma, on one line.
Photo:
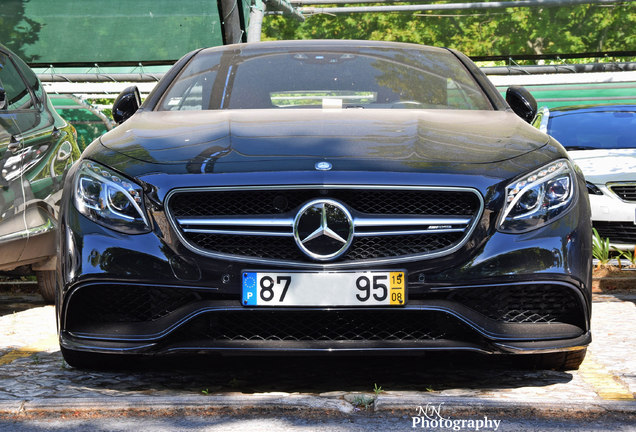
{"points": [[534, 303], [250, 325], [522, 303], [120, 303], [617, 232]]}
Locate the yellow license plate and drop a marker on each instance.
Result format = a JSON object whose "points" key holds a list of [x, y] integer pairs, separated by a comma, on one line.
{"points": [[397, 282]]}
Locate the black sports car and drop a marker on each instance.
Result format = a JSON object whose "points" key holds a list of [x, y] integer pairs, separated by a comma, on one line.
{"points": [[324, 197], [37, 148]]}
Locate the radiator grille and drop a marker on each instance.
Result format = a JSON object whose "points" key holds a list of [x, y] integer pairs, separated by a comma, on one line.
{"points": [[627, 192], [259, 224]]}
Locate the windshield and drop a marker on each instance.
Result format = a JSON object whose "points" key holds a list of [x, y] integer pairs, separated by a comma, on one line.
{"points": [[594, 130], [370, 78]]}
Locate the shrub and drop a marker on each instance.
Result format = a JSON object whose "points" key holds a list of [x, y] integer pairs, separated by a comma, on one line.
{"points": [[600, 248]]}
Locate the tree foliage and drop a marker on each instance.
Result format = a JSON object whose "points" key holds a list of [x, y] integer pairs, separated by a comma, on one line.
{"points": [[513, 31]]}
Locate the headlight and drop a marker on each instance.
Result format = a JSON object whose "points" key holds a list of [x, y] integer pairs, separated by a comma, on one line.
{"points": [[592, 189], [110, 199], [538, 198]]}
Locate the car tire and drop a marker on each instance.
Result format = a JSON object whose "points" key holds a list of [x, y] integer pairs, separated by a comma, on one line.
{"points": [[46, 284], [562, 361]]}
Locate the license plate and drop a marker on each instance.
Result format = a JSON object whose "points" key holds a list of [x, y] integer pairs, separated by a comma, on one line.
{"points": [[377, 288]]}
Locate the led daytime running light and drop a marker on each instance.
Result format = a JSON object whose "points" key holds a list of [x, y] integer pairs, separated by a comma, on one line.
{"points": [[125, 187], [533, 180], [110, 199]]}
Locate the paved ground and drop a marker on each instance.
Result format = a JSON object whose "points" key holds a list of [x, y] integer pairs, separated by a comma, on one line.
{"points": [[34, 379], [260, 423]]}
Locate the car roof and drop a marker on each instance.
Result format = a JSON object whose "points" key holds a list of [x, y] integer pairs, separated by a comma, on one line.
{"points": [[321, 43]]}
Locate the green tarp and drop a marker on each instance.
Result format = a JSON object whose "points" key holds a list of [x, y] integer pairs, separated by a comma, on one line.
{"points": [[556, 95], [98, 31]]}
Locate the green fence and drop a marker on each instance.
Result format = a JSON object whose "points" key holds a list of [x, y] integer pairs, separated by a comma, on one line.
{"points": [[590, 94], [89, 122], [102, 31], [581, 94]]}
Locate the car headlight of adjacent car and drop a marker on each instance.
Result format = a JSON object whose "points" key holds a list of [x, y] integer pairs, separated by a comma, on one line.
{"points": [[539, 197], [110, 199]]}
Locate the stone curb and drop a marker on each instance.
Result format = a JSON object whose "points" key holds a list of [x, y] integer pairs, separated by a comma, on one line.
{"points": [[403, 405], [170, 404], [475, 406]]}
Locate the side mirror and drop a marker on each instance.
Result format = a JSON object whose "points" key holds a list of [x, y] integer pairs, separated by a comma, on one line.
{"points": [[126, 104], [3, 98], [522, 102]]}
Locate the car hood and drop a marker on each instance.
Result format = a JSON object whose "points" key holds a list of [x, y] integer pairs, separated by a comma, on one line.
{"points": [[603, 166], [212, 138]]}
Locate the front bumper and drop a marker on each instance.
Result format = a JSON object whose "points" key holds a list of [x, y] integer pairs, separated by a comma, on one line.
{"points": [[421, 326], [614, 218], [136, 294], [498, 293]]}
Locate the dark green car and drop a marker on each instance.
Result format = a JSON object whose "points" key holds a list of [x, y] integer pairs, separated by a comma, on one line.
{"points": [[37, 147]]}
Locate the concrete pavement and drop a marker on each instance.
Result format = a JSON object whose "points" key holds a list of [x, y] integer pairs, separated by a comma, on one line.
{"points": [[34, 379]]}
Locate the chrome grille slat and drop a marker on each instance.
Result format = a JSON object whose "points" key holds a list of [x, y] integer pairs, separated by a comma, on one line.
{"points": [[401, 221], [238, 232], [407, 232], [258, 226], [433, 221], [238, 221]]}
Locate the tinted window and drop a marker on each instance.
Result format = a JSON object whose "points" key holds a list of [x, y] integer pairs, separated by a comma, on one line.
{"points": [[193, 89], [409, 79], [594, 130], [18, 95]]}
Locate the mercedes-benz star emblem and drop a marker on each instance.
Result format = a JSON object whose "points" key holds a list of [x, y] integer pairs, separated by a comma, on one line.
{"points": [[323, 229], [323, 166]]}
